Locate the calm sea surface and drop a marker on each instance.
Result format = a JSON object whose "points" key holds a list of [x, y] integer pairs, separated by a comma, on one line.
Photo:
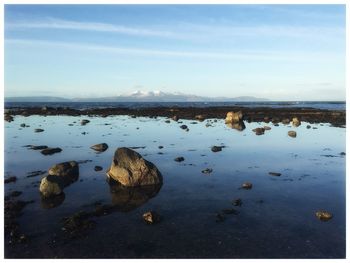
{"points": [[276, 220]]}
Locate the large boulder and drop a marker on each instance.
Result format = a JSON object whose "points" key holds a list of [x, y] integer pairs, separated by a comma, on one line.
{"points": [[233, 117], [130, 169]]}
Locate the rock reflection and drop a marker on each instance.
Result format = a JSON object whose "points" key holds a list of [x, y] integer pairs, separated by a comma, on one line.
{"points": [[239, 126], [125, 199], [52, 202]]}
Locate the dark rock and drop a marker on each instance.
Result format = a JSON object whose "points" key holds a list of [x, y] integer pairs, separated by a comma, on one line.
{"points": [[15, 193], [239, 126], [207, 171], [98, 168], [220, 217], [69, 171], [267, 128], [10, 179], [324, 215], [292, 134], [50, 151], [38, 147], [216, 149], [184, 127], [101, 147], [77, 224], [23, 125], [247, 185], [308, 126], [237, 202], [286, 121], [130, 169], [38, 130], [51, 186], [151, 217], [167, 121], [175, 118], [342, 153], [160, 147], [179, 159], [274, 174], [84, 122]]}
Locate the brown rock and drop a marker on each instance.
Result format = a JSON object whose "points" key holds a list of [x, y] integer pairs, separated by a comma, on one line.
{"points": [[151, 217], [130, 169], [292, 134], [232, 117], [101, 147]]}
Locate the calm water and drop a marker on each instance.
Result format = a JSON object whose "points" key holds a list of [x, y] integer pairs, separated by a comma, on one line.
{"points": [[277, 218], [330, 105]]}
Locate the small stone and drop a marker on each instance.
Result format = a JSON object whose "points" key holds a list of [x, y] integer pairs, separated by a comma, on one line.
{"points": [[324, 215], [286, 121], [207, 171], [342, 153], [184, 127], [220, 217], [274, 174], [175, 118], [38, 147], [151, 217], [160, 147], [98, 168], [247, 185], [237, 202], [292, 134], [84, 122], [308, 126], [216, 149], [38, 130], [23, 125], [259, 131], [267, 128], [179, 159], [167, 121]]}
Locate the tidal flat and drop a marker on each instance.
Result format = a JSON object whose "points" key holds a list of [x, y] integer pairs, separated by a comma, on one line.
{"points": [[202, 214]]}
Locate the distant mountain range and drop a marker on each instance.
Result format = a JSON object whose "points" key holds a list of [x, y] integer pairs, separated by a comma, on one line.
{"points": [[137, 96]]}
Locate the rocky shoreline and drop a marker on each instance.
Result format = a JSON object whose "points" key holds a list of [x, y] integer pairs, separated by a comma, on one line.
{"points": [[334, 117]]}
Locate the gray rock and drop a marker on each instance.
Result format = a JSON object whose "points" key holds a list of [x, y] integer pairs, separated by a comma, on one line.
{"points": [[130, 169], [38, 130], [101, 147], [179, 159], [216, 149], [84, 122]]}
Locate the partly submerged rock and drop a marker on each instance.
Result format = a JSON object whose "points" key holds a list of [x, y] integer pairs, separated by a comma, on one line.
{"points": [[175, 118], [8, 118], [38, 130], [151, 217], [53, 201], [207, 171], [292, 134], [130, 169], [274, 174], [98, 168], [247, 185], [84, 122], [179, 159], [11, 179], [101, 147], [295, 122], [324, 215], [68, 171], [259, 131], [38, 147], [50, 151], [51, 186], [216, 149], [232, 117], [184, 127], [239, 126]]}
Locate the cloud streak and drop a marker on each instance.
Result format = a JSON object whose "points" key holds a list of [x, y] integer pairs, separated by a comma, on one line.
{"points": [[228, 55]]}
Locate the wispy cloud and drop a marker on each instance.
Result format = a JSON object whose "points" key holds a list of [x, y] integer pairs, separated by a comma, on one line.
{"points": [[53, 23], [227, 55], [184, 30]]}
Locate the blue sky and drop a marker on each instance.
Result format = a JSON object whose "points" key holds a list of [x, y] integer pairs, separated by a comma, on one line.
{"points": [[280, 52]]}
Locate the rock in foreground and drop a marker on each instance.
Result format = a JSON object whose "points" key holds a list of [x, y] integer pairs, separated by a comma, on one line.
{"points": [[130, 169], [292, 134], [50, 151], [324, 215]]}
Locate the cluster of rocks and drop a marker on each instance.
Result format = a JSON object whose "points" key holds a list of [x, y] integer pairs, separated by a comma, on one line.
{"points": [[44, 149]]}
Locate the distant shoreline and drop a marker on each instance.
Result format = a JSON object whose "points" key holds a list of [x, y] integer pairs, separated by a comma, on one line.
{"points": [[251, 114]]}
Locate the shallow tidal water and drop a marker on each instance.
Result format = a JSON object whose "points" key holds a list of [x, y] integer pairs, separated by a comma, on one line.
{"points": [[276, 220]]}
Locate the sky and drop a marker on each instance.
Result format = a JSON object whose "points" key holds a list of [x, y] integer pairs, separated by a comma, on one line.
{"points": [[279, 52]]}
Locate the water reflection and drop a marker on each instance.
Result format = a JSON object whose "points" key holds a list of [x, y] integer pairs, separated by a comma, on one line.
{"points": [[52, 202], [126, 199], [239, 126]]}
